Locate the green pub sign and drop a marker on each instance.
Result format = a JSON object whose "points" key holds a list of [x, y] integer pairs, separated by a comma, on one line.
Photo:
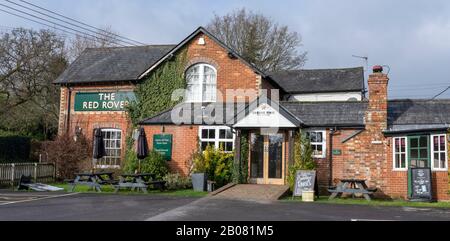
{"points": [[103, 101], [163, 145], [337, 152]]}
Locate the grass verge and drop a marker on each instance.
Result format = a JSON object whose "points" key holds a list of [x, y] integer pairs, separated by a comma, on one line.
{"points": [[376, 202], [110, 190]]}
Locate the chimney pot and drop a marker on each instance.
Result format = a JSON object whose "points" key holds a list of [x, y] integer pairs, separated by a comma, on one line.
{"points": [[377, 69]]}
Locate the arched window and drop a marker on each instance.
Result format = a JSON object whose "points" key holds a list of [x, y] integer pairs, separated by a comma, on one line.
{"points": [[201, 83]]}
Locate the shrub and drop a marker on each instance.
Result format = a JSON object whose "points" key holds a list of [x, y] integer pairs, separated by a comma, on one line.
{"points": [[176, 182], [240, 170], [199, 162], [69, 156], [14, 149], [303, 157], [154, 164], [216, 163]]}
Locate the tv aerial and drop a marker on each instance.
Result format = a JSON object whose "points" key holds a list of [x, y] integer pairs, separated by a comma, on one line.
{"points": [[365, 58]]}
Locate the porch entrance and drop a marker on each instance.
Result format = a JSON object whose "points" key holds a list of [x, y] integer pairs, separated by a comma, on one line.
{"points": [[267, 158]]}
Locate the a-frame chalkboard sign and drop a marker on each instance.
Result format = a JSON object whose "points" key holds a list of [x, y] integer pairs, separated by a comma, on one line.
{"points": [[421, 185], [305, 181]]}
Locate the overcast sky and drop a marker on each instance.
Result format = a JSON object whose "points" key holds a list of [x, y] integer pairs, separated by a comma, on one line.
{"points": [[411, 37]]}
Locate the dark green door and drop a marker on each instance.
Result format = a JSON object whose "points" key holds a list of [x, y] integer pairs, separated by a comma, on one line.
{"points": [[418, 154]]}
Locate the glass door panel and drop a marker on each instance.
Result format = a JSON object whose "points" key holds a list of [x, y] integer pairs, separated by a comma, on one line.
{"points": [[419, 151], [256, 156], [276, 156]]}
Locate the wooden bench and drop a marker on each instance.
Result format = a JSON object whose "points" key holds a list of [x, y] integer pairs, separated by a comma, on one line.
{"points": [[161, 185], [352, 186]]}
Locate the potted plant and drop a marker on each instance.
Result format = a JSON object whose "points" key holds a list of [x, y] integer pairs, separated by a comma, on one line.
{"points": [[199, 174]]}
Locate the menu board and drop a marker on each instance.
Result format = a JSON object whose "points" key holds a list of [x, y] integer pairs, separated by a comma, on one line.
{"points": [[421, 184], [305, 181]]}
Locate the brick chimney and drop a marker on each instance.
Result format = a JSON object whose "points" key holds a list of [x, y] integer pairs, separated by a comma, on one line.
{"points": [[376, 114]]}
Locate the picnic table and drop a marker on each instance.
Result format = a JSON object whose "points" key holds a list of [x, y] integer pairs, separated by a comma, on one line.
{"points": [[352, 186], [138, 181], [93, 180]]}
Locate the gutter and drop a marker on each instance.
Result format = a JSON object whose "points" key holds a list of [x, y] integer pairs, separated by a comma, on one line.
{"points": [[68, 109], [391, 132]]}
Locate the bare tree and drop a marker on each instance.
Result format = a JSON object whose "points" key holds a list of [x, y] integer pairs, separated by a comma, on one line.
{"points": [[106, 37], [259, 40], [29, 63]]}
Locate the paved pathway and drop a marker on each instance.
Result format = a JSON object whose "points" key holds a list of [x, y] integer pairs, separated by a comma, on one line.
{"points": [[259, 193]]}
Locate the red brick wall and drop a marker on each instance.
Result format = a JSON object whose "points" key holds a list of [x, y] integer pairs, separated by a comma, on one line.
{"points": [[231, 73], [184, 145], [88, 121]]}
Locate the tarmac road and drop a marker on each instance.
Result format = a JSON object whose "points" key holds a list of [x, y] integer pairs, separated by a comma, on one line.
{"points": [[63, 206]]}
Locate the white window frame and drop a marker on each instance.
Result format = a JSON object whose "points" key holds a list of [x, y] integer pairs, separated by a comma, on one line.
{"points": [[323, 143], [432, 153], [394, 154], [217, 140], [199, 99], [102, 162]]}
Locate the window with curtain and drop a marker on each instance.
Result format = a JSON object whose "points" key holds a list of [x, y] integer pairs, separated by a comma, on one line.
{"points": [[201, 82], [439, 152], [112, 139]]}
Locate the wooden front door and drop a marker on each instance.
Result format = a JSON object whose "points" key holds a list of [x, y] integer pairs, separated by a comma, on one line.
{"points": [[267, 162]]}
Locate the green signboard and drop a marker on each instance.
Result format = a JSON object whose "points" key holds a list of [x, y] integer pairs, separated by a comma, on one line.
{"points": [[337, 152], [103, 101], [163, 145]]}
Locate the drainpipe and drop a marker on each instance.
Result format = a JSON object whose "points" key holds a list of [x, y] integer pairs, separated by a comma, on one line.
{"points": [[330, 179], [68, 110]]}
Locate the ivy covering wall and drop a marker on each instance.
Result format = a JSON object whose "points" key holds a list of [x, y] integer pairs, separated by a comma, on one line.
{"points": [[240, 170], [154, 94]]}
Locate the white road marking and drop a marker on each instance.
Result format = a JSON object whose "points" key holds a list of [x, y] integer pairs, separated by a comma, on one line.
{"points": [[36, 199], [370, 220]]}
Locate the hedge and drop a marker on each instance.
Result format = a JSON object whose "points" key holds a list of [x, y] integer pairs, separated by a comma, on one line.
{"points": [[14, 149]]}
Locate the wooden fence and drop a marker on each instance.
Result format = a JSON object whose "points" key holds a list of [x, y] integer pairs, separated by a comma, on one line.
{"points": [[41, 172]]}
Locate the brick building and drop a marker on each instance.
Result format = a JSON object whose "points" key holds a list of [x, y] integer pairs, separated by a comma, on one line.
{"points": [[353, 135]]}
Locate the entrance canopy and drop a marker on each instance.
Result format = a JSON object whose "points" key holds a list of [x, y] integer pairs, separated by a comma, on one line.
{"points": [[265, 113]]}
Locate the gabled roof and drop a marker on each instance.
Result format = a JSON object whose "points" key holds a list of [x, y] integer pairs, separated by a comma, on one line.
{"points": [[112, 64], [320, 80], [192, 36], [133, 63], [285, 113]]}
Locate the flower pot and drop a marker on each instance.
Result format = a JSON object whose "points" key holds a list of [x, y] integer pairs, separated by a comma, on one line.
{"points": [[308, 196], [199, 181]]}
